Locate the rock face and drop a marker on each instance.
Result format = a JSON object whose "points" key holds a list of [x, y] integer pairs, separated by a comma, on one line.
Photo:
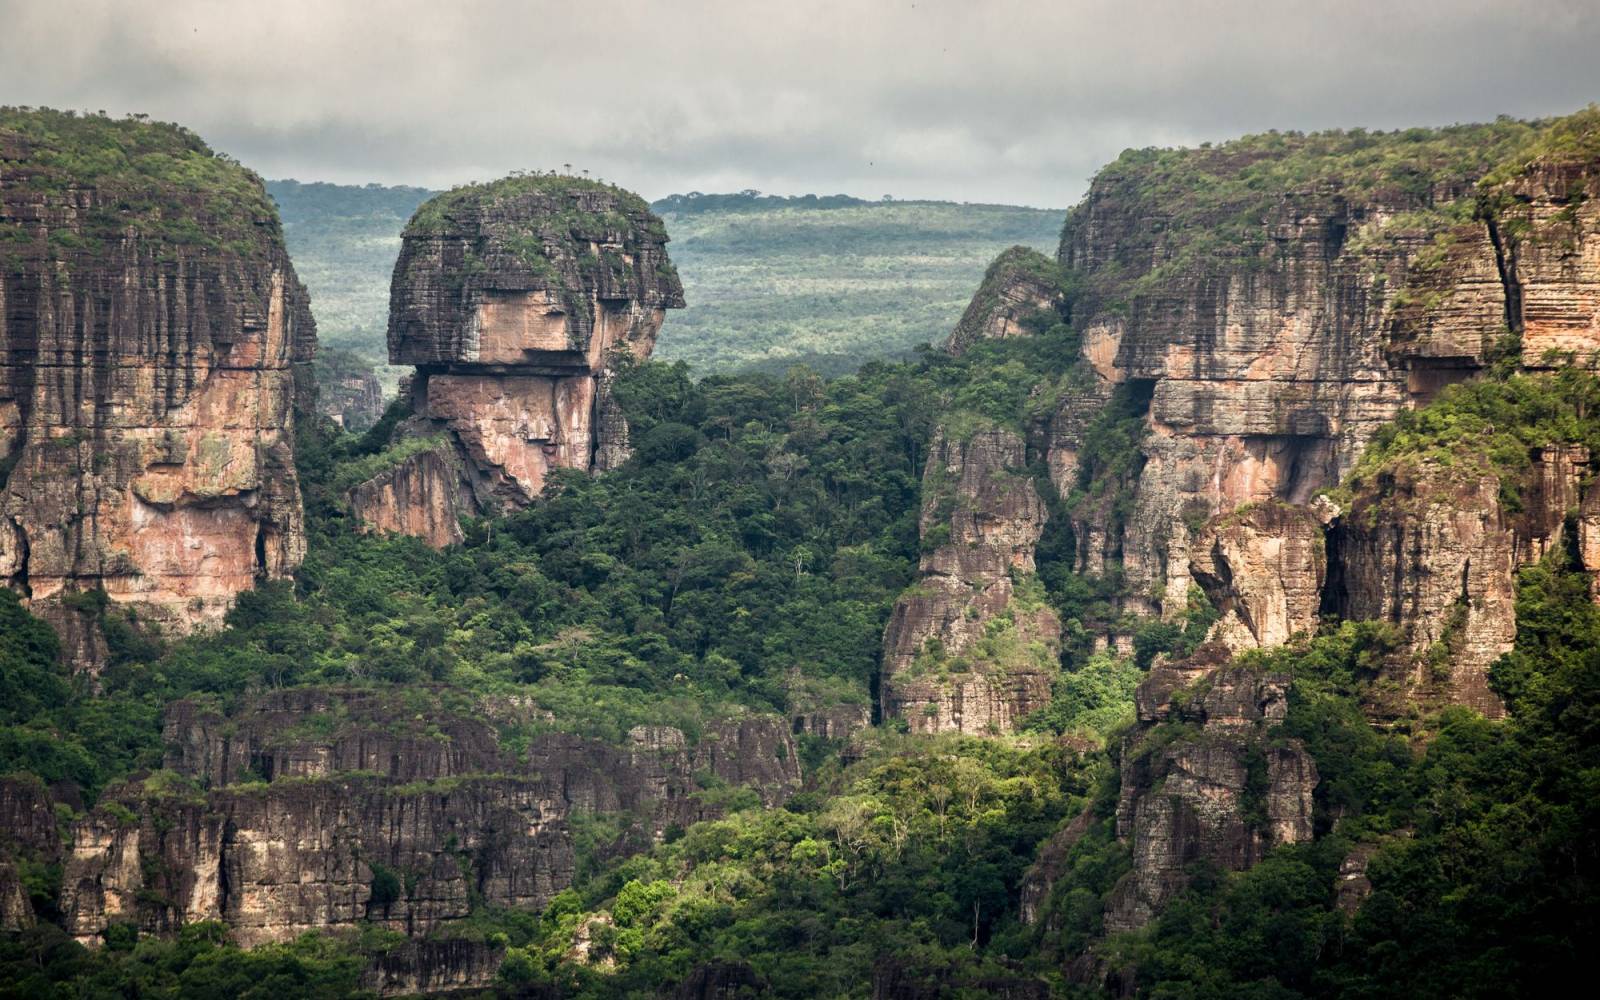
{"points": [[1263, 568], [1546, 230], [512, 300], [152, 360], [1261, 314], [971, 647], [426, 495], [348, 392], [1220, 793], [28, 832], [1020, 285], [1431, 547], [429, 968], [322, 808]]}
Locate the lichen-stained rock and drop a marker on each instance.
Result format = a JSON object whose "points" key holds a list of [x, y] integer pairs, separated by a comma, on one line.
{"points": [[513, 299], [429, 968], [1281, 302], [1222, 791], [1546, 224], [971, 647], [155, 348], [1426, 547], [324, 807], [28, 832], [1263, 568], [1019, 285], [27, 819], [277, 860], [426, 495]]}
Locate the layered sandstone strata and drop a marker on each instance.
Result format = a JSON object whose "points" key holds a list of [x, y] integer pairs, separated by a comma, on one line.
{"points": [[154, 350], [1224, 792], [1431, 546], [325, 808], [1265, 313], [512, 300], [1022, 286], [971, 647]]}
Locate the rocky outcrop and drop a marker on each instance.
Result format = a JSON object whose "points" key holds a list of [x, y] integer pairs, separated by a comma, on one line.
{"points": [[972, 647], [321, 808], [154, 351], [1222, 792], [512, 299], [294, 856], [1021, 285], [28, 832], [426, 494], [1277, 305], [431, 968], [1429, 545], [1545, 224], [722, 981], [348, 391], [1263, 568]]}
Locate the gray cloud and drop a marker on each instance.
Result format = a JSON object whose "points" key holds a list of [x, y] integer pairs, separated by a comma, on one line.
{"points": [[1003, 100]]}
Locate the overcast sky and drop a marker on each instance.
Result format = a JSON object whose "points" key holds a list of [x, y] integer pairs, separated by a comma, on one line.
{"points": [[1011, 100]]}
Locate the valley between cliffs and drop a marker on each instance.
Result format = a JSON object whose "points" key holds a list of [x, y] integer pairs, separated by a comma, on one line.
{"points": [[1214, 613]]}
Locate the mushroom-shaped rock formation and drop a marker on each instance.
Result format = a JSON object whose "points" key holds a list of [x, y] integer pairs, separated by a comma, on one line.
{"points": [[511, 299]]}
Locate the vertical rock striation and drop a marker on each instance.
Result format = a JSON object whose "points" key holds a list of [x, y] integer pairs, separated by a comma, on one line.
{"points": [[154, 350], [320, 808], [1221, 792], [512, 300], [972, 647]]}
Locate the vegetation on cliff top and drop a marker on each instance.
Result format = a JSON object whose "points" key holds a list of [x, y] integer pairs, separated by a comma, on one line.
{"points": [[1217, 201], [567, 208], [155, 179]]}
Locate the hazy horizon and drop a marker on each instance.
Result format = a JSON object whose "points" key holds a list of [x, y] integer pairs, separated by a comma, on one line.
{"points": [[1004, 103]]}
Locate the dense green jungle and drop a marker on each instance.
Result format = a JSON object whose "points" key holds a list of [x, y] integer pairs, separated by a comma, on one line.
{"points": [[748, 557]]}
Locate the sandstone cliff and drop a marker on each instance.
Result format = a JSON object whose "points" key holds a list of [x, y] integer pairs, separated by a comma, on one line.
{"points": [[512, 299], [348, 392], [1221, 792], [325, 808], [154, 351], [972, 647], [1020, 285]]}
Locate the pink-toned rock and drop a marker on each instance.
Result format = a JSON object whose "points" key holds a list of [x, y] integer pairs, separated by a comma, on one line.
{"points": [[149, 381]]}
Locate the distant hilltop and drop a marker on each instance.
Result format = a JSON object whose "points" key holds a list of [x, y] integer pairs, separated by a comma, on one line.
{"points": [[753, 200]]}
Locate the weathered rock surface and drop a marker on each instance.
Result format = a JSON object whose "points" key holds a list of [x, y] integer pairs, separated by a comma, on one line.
{"points": [[1270, 359], [1221, 792], [1020, 285], [966, 649], [1430, 547], [348, 391], [28, 831], [430, 968], [294, 856], [152, 360], [1547, 232], [321, 808], [426, 495], [512, 300], [1263, 568]]}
